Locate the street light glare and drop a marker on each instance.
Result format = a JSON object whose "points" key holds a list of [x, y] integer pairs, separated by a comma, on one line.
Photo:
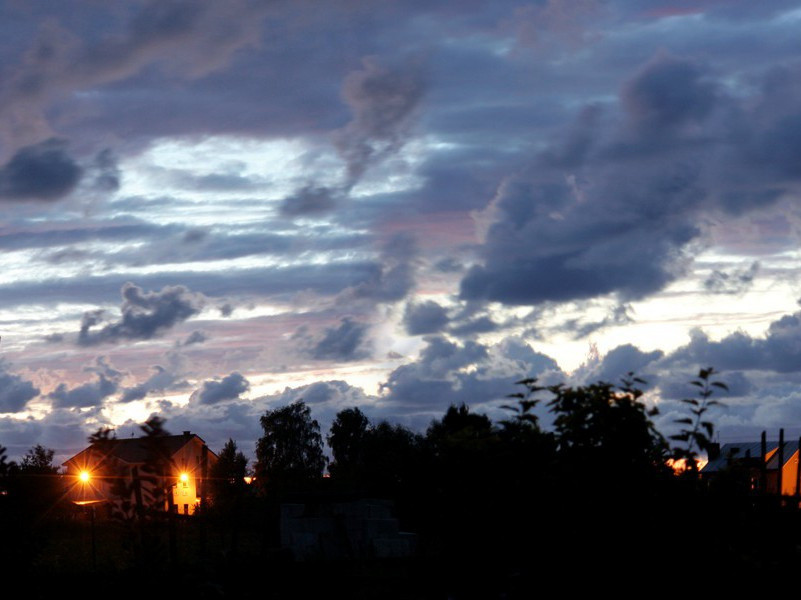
{"points": [[184, 477], [84, 476]]}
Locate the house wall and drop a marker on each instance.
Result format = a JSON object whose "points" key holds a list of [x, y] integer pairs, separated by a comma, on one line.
{"points": [[188, 461], [789, 475]]}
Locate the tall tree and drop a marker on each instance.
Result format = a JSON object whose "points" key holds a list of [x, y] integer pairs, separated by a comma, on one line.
{"points": [[346, 440], [291, 449]]}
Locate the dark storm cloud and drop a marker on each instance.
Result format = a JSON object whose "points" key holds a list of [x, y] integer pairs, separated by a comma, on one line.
{"points": [[229, 387], [42, 171], [15, 392], [144, 315], [424, 317], [345, 342], [614, 211], [89, 394]]}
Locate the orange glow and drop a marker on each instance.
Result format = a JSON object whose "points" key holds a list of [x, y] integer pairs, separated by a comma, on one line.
{"points": [[84, 476], [249, 480], [184, 477], [679, 466]]}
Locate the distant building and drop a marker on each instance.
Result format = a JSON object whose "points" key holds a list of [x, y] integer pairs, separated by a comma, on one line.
{"points": [[164, 472], [777, 470]]}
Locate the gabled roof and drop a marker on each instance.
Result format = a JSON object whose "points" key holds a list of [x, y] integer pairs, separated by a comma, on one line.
{"points": [[135, 450], [789, 449], [739, 451]]}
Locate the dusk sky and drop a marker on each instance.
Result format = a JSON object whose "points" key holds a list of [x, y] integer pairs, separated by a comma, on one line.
{"points": [[214, 208]]}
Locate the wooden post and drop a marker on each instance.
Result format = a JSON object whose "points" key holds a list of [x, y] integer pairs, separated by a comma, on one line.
{"points": [[763, 465], [798, 470]]}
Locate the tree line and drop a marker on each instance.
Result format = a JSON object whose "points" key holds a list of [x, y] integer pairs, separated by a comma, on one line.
{"points": [[494, 501]]}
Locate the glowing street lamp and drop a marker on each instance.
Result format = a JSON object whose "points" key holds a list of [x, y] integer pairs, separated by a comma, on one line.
{"points": [[184, 477], [84, 476]]}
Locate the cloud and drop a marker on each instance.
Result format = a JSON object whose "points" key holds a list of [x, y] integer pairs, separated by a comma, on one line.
{"points": [[15, 392], [393, 277], [188, 39], [229, 387], [158, 382], [668, 93], [105, 172], [42, 171], [310, 200], [619, 362], [483, 324], [451, 373], [346, 342], [196, 337], [424, 317], [735, 281], [384, 102], [612, 207], [91, 393], [144, 315], [779, 350]]}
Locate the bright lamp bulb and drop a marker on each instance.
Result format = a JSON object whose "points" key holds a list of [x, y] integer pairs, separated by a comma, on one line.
{"points": [[184, 477], [84, 476]]}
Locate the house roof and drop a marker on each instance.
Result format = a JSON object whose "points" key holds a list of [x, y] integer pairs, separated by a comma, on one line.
{"points": [[135, 450], [738, 451]]}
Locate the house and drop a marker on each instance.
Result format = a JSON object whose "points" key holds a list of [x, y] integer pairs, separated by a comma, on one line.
{"points": [[128, 475], [768, 466]]}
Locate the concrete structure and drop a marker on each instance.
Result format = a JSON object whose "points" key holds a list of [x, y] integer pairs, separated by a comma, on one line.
{"points": [[364, 528], [130, 475]]}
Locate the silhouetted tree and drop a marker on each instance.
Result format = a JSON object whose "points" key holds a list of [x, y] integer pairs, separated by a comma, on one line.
{"points": [[392, 456], [346, 439], [38, 461], [604, 425], [291, 449], [459, 424], [228, 475]]}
